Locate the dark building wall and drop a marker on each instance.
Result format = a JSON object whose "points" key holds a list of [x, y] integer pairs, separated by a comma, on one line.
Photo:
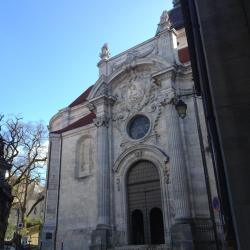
{"points": [[224, 30], [5, 194], [5, 204]]}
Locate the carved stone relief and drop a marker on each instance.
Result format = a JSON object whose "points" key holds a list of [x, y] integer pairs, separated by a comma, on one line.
{"points": [[137, 94], [166, 172], [118, 183], [138, 153], [132, 55], [101, 121]]}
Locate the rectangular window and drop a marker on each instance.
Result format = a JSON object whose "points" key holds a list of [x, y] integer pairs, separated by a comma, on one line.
{"points": [[48, 236]]}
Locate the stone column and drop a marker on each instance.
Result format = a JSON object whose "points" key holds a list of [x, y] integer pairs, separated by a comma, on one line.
{"points": [[181, 233], [53, 179], [178, 167]]}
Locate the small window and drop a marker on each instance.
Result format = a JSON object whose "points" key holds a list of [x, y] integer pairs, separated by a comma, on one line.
{"points": [[48, 236]]}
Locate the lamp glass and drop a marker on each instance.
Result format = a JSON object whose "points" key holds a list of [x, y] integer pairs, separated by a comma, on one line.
{"points": [[181, 108]]}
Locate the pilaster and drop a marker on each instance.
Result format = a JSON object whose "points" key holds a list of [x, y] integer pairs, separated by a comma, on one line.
{"points": [[100, 237], [102, 123], [53, 179], [178, 166]]}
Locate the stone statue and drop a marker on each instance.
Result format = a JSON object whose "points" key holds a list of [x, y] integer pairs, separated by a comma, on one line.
{"points": [[135, 94], [104, 55], [164, 17], [164, 22]]}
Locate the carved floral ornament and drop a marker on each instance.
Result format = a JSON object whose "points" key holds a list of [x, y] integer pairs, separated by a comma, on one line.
{"points": [[138, 153], [134, 95], [101, 121], [118, 183]]}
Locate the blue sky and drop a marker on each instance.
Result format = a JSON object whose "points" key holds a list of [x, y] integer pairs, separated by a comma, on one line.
{"points": [[49, 48]]}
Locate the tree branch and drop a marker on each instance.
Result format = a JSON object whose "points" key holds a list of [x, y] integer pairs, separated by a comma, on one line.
{"points": [[34, 205]]}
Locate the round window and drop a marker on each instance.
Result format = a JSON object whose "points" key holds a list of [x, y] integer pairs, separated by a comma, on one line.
{"points": [[138, 127]]}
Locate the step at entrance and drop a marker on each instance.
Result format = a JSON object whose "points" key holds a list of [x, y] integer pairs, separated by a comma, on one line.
{"points": [[143, 247]]}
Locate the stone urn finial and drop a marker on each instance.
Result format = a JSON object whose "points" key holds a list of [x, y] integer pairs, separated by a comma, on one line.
{"points": [[164, 17], [164, 22], [104, 55]]}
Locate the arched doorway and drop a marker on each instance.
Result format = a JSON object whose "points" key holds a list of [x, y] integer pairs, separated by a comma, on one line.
{"points": [[156, 226], [137, 227], [144, 204]]}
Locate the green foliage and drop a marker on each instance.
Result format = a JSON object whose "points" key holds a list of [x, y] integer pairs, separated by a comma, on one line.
{"points": [[33, 222], [24, 231], [36, 221]]}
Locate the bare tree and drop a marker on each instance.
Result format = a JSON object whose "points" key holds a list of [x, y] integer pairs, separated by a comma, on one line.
{"points": [[26, 151]]}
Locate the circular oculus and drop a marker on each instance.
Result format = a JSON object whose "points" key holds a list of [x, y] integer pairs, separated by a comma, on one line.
{"points": [[138, 127]]}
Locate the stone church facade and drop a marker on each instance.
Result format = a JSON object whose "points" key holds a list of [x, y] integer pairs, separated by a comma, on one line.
{"points": [[124, 168]]}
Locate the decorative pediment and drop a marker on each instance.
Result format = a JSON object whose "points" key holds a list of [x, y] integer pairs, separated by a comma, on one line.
{"points": [[157, 63], [134, 54]]}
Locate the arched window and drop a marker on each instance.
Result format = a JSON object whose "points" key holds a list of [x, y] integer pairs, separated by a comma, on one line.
{"points": [[137, 227], [84, 157], [156, 226]]}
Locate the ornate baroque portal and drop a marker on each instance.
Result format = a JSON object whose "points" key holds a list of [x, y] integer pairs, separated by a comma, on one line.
{"points": [[144, 204]]}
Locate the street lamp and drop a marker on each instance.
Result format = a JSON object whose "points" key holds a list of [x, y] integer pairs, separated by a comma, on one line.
{"points": [[181, 108]]}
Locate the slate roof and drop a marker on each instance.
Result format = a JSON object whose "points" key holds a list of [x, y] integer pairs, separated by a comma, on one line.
{"points": [[82, 98], [88, 119]]}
